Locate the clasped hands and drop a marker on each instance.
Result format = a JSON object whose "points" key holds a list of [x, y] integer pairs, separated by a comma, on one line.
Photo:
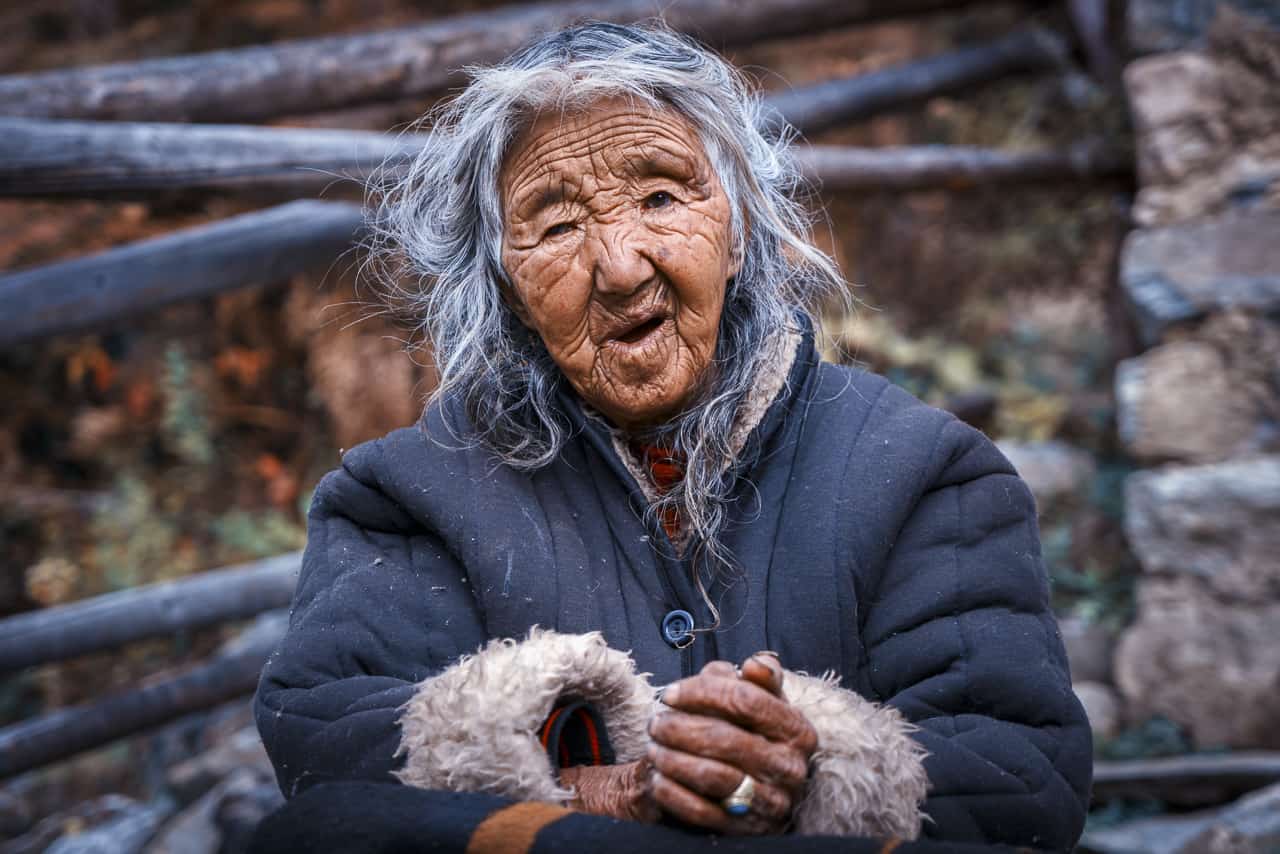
{"points": [[716, 727]]}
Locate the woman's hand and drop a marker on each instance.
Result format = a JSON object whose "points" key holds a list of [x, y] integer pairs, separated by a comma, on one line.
{"points": [[720, 727], [620, 791]]}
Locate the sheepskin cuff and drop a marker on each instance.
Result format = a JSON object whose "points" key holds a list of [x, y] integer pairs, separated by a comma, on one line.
{"points": [[867, 776], [476, 726]]}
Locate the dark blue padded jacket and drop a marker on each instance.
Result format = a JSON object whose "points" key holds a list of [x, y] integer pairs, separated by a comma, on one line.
{"points": [[879, 538]]}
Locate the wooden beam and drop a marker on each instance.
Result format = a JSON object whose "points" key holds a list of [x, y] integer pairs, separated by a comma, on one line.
{"points": [[103, 622], [233, 672], [843, 168], [1194, 779], [255, 248], [834, 102], [47, 158], [254, 83], [53, 157]]}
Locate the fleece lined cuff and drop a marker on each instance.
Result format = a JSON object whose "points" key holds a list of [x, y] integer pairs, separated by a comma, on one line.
{"points": [[868, 776], [476, 726], [486, 724]]}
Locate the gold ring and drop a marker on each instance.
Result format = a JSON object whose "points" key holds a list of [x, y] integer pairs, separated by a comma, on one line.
{"points": [[739, 802]]}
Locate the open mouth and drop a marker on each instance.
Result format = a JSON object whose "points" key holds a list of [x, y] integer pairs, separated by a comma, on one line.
{"points": [[641, 330]]}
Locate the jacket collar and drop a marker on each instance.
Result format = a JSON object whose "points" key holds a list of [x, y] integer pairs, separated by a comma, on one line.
{"points": [[759, 417]]}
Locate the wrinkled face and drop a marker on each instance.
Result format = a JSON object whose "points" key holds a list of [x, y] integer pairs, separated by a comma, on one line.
{"points": [[618, 246]]}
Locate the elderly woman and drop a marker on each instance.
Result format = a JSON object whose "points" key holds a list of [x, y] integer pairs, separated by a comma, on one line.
{"points": [[636, 472]]}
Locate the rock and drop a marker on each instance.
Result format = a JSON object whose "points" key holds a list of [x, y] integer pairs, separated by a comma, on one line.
{"points": [[224, 723], [1211, 667], [16, 816], [1249, 826], [1215, 522], [78, 818], [1102, 707], [1159, 835], [1157, 25], [1206, 398], [191, 832], [190, 779], [1181, 273], [1055, 471], [197, 830], [1090, 646], [126, 833], [243, 810], [1205, 131]]}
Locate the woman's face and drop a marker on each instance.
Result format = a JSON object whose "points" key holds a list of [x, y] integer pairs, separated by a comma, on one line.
{"points": [[616, 240]]}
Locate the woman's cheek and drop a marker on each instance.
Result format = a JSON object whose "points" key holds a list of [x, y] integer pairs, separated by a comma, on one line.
{"points": [[542, 278]]}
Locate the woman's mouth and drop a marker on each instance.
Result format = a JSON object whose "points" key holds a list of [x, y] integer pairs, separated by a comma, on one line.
{"points": [[642, 330]]}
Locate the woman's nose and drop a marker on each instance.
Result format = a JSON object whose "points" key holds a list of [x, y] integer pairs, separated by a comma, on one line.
{"points": [[620, 262]]}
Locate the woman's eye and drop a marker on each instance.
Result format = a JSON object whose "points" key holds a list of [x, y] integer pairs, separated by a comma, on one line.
{"points": [[558, 229], [659, 199]]}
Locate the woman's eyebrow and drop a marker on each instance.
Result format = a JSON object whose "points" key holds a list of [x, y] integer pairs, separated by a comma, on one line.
{"points": [[663, 164], [534, 201]]}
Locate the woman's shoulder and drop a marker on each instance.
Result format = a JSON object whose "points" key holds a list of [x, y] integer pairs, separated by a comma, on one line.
{"points": [[880, 419], [408, 475]]}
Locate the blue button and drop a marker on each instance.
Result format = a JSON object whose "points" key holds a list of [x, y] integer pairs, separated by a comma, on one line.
{"points": [[677, 628]]}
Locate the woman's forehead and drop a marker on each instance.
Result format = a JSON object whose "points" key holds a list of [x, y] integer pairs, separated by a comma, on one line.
{"points": [[623, 137]]}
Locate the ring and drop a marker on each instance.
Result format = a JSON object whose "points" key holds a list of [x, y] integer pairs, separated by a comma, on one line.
{"points": [[739, 803]]}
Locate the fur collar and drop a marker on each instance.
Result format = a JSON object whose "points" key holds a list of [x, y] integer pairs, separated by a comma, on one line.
{"points": [[770, 381]]}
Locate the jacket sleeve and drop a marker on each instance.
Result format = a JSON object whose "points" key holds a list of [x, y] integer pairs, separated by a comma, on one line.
{"points": [[380, 605], [959, 636], [385, 673]]}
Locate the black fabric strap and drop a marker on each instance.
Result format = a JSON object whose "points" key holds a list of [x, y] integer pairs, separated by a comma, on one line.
{"points": [[574, 734]]}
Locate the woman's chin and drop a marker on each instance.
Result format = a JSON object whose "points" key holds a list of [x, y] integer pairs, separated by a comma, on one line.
{"points": [[635, 408], [641, 387]]}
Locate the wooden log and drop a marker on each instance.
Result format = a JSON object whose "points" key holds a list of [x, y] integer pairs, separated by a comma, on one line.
{"points": [[255, 248], [103, 622], [45, 158], [233, 672], [834, 102], [22, 501], [254, 83], [52, 157], [844, 168], [1191, 780], [1091, 20]]}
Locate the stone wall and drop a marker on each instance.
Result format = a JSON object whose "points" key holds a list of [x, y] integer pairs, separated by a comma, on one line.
{"points": [[1201, 406]]}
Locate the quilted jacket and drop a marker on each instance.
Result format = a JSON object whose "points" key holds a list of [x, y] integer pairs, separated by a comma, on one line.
{"points": [[880, 539]]}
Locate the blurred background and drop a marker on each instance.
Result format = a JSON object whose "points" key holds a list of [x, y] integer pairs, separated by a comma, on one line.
{"points": [[1062, 222]]}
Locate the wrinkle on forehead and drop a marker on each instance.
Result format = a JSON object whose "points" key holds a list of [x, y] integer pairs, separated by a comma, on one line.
{"points": [[560, 149]]}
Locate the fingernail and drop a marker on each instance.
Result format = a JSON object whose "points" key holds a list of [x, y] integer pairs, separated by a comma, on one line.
{"points": [[671, 695]]}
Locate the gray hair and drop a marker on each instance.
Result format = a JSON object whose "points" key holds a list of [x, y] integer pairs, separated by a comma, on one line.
{"points": [[437, 243]]}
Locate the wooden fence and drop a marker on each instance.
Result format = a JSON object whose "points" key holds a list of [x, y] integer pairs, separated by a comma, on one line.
{"points": [[80, 133]]}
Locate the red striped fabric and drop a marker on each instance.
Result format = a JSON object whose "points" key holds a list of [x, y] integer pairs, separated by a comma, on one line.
{"points": [[666, 469]]}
